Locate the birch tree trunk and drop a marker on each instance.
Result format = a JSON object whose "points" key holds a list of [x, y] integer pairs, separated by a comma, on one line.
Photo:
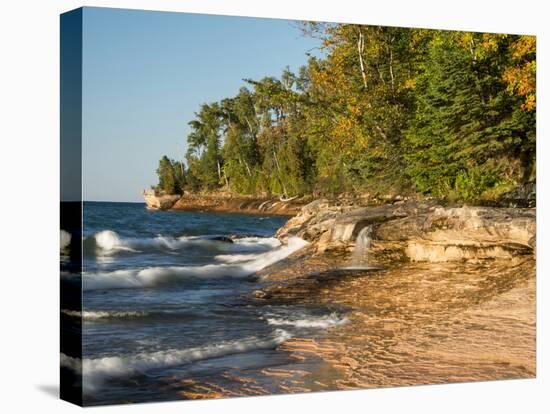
{"points": [[219, 169], [360, 49], [280, 173], [391, 71]]}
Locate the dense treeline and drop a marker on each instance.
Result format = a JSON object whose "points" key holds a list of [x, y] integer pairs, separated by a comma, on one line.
{"points": [[449, 114], [171, 176]]}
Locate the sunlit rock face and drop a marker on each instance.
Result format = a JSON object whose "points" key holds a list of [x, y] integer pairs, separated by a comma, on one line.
{"points": [[159, 202], [466, 233], [418, 231], [225, 202]]}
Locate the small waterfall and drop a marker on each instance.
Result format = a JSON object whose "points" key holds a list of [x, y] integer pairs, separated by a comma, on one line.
{"points": [[360, 255]]}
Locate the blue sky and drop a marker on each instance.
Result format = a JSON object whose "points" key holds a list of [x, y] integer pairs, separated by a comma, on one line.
{"points": [[146, 73]]}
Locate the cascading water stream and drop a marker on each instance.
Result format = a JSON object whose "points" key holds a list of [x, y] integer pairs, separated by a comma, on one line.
{"points": [[360, 255]]}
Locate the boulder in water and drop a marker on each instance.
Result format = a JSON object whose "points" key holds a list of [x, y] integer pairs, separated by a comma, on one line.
{"points": [[225, 239]]}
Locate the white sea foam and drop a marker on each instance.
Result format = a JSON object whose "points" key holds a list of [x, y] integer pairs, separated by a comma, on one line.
{"points": [[155, 276], [64, 240], [255, 242], [310, 322], [108, 242], [94, 315], [97, 371], [236, 258]]}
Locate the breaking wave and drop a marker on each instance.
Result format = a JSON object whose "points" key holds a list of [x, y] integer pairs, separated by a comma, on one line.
{"points": [[95, 315], [310, 322], [96, 371], [108, 242], [236, 258], [107, 315], [157, 276]]}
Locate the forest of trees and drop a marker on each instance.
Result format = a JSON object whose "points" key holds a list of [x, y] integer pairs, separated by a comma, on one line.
{"points": [[384, 109]]}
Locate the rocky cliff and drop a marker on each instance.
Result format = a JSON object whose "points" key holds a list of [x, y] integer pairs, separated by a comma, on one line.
{"points": [[230, 203], [223, 202], [155, 201], [418, 231]]}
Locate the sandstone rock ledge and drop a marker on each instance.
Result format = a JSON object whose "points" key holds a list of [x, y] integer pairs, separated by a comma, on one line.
{"points": [[224, 203], [418, 231], [230, 203], [155, 201]]}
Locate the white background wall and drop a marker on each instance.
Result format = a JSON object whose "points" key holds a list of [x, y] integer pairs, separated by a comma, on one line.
{"points": [[29, 140]]}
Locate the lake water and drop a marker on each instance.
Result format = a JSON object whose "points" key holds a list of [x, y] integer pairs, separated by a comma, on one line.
{"points": [[168, 294]]}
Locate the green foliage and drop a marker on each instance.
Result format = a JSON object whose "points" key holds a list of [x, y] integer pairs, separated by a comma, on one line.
{"points": [[446, 114], [204, 146], [467, 130], [171, 176]]}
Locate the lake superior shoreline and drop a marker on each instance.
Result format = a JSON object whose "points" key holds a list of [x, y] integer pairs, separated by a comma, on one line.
{"points": [[449, 297]]}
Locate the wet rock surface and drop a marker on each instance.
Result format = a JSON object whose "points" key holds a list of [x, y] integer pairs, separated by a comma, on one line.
{"points": [[424, 323], [418, 323], [453, 300]]}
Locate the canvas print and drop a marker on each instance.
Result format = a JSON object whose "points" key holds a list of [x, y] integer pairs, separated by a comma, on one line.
{"points": [[255, 206]]}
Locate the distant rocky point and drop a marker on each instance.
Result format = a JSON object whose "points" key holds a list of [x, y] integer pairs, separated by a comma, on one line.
{"points": [[158, 201], [221, 202]]}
